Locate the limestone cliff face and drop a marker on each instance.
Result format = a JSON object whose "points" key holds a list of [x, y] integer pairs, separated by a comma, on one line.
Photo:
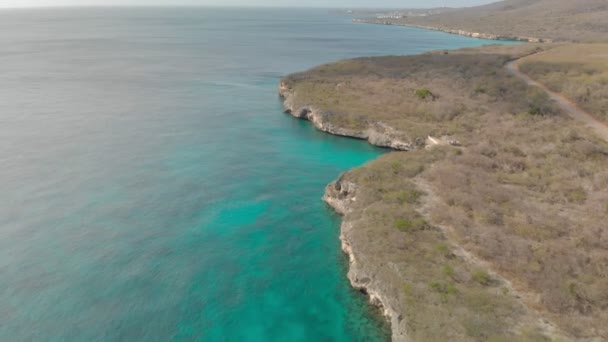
{"points": [[341, 195], [377, 133]]}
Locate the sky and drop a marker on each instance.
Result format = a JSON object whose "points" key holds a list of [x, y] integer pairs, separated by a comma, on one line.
{"points": [[277, 3]]}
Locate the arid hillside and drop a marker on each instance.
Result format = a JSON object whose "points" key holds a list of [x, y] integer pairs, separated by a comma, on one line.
{"points": [[558, 20]]}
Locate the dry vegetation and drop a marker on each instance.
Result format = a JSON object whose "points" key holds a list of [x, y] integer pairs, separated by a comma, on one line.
{"points": [[560, 20], [526, 194], [441, 296], [420, 95], [579, 73]]}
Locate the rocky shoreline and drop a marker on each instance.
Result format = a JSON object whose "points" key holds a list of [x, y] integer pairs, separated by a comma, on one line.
{"points": [[456, 32], [339, 195], [377, 133]]}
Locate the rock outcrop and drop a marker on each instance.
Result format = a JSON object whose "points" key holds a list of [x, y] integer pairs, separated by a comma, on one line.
{"points": [[376, 133]]}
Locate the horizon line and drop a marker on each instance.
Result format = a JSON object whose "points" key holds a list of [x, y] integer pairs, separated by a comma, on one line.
{"points": [[214, 6]]}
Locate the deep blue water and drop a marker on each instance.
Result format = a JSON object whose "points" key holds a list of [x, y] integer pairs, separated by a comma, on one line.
{"points": [[151, 187]]}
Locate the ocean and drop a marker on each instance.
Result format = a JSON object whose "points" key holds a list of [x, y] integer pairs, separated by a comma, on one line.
{"points": [[151, 187]]}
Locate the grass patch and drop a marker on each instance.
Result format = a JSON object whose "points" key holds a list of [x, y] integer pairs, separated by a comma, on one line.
{"points": [[482, 277], [424, 94], [411, 224]]}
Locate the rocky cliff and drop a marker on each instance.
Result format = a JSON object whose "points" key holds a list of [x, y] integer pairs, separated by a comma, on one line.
{"points": [[340, 195], [376, 133]]}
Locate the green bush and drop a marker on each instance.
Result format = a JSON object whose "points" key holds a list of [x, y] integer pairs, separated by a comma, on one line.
{"points": [[408, 289], [448, 271], [482, 277], [410, 225], [444, 250], [424, 93], [409, 197], [480, 90], [578, 195], [539, 102], [445, 290]]}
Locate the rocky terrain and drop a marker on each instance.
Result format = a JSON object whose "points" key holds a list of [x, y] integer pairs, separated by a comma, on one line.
{"points": [[497, 232]]}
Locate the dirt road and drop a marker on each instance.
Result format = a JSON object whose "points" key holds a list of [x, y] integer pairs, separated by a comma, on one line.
{"points": [[568, 106]]}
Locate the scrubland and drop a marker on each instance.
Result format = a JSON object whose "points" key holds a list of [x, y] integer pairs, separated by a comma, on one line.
{"points": [[558, 20], [502, 238], [579, 73]]}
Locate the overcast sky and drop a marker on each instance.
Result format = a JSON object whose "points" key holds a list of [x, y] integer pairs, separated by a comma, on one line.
{"points": [[278, 3]]}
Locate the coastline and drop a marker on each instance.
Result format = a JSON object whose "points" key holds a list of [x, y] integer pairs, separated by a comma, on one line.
{"points": [[486, 260], [377, 133], [373, 276], [456, 32], [339, 195]]}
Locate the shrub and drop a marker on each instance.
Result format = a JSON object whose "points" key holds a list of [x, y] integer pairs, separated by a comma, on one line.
{"points": [[539, 102], [449, 271], [408, 289], [410, 225], [424, 93], [482, 277], [577, 195], [480, 90], [445, 290], [410, 197], [413, 169], [444, 250]]}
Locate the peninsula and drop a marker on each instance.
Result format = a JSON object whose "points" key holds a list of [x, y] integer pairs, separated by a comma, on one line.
{"points": [[488, 221]]}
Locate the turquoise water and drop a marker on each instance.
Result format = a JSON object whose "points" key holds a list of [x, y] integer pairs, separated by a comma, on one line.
{"points": [[151, 187]]}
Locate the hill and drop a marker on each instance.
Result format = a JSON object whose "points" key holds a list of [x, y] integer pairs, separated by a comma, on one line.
{"points": [[533, 20]]}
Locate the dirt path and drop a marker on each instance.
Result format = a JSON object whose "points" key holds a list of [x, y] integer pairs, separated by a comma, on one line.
{"points": [[568, 106], [526, 297]]}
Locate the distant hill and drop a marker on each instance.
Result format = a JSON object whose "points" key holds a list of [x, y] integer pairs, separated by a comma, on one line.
{"points": [[558, 20]]}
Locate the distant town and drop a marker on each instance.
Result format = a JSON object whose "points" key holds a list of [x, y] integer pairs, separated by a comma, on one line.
{"points": [[396, 13]]}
